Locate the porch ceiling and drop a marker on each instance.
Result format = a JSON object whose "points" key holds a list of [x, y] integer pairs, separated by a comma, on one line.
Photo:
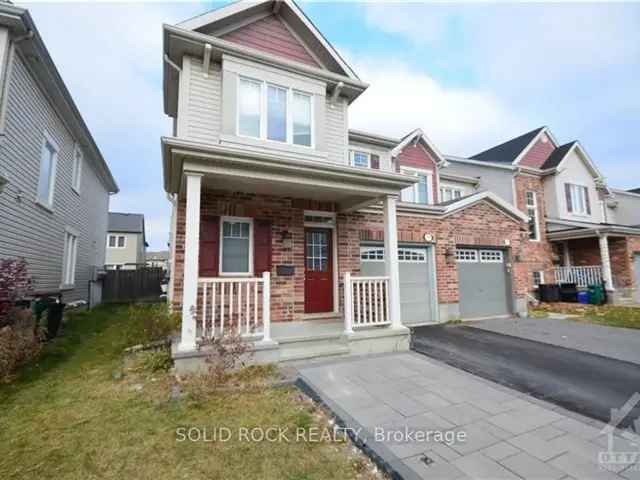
{"points": [[232, 169]]}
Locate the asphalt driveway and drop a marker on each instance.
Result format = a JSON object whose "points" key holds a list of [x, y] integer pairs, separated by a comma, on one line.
{"points": [[579, 381]]}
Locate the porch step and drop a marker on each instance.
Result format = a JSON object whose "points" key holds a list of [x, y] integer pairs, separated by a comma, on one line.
{"points": [[318, 346]]}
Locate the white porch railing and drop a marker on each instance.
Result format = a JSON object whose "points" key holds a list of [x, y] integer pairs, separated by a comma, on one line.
{"points": [[366, 302], [581, 276], [239, 305]]}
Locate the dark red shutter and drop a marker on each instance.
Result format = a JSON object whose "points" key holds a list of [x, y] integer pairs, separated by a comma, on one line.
{"points": [[587, 200], [567, 193], [261, 246], [375, 162], [209, 260]]}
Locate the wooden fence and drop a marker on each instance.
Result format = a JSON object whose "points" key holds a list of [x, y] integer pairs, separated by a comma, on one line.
{"points": [[132, 285]]}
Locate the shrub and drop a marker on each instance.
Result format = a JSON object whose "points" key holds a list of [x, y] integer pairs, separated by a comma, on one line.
{"points": [[152, 361], [20, 343], [150, 323], [15, 284]]}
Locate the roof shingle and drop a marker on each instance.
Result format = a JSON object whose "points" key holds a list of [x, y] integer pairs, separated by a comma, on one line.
{"points": [[508, 151]]}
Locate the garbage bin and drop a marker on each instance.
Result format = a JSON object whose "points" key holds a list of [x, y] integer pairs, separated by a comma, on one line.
{"points": [[583, 298], [54, 319], [596, 294], [569, 292], [549, 293]]}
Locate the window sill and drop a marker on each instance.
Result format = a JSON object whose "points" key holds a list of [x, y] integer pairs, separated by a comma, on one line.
{"points": [[237, 275], [67, 286], [76, 190], [44, 206], [269, 145]]}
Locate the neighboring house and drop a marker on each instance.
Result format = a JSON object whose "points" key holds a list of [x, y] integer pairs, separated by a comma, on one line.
{"points": [[281, 213], [158, 260], [581, 230], [126, 241], [54, 182]]}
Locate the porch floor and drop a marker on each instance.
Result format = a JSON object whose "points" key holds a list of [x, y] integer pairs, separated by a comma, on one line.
{"points": [[307, 329]]}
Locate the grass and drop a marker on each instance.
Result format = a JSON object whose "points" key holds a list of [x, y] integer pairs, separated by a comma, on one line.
{"points": [[609, 315], [74, 415]]}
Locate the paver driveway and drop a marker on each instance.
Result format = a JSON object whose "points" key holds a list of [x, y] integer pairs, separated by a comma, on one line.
{"points": [[508, 434]]}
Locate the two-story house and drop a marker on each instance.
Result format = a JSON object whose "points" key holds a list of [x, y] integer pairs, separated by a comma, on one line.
{"points": [[302, 235], [54, 182], [580, 230], [126, 242]]}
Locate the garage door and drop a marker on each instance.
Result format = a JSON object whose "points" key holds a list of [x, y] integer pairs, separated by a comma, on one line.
{"points": [[417, 295], [637, 267], [483, 281]]}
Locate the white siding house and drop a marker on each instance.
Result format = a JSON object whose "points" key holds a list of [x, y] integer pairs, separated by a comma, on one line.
{"points": [[56, 185]]}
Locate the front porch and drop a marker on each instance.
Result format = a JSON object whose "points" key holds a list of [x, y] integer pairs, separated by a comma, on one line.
{"points": [[590, 254], [266, 250]]}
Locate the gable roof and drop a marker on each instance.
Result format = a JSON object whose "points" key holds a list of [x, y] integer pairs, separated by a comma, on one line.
{"points": [[126, 222], [32, 46], [237, 14], [558, 155], [417, 136], [508, 151]]}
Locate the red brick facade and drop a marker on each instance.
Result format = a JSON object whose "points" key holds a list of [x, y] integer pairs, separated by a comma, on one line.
{"points": [[538, 153], [481, 225], [538, 255]]}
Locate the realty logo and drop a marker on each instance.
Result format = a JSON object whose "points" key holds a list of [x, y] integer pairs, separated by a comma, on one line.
{"points": [[627, 453]]}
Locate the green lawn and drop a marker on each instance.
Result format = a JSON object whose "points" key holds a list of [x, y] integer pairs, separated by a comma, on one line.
{"points": [[72, 416]]}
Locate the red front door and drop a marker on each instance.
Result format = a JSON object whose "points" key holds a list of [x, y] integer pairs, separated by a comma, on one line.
{"points": [[318, 271]]}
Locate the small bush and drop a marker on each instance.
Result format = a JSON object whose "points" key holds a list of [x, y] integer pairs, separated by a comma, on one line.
{"points": [[150, 323], [153, 361], [20, 343]]}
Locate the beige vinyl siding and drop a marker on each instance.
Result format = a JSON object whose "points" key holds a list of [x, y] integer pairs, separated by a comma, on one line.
{"points": [[202, 122], [132, 252], [336, 131], [28, 230]]}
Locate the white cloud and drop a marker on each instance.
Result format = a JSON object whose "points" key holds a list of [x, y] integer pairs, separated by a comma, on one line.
{"points": [[399, 100]]}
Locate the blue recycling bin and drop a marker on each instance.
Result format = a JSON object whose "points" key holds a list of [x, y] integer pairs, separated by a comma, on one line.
{"points": [[583, 298]]}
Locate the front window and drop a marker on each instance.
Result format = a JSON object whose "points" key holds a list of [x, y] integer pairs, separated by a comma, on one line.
{"points": [[70, 256], [46, 180], [578, 199], [419, 192], [532, 212], [538, 279], [271, 112], [360, 159], [236, 246], [450, 193]]}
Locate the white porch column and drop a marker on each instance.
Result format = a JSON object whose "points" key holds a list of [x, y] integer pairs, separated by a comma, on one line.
{"points": [[606, 263], [391, 259], [191, 251]]}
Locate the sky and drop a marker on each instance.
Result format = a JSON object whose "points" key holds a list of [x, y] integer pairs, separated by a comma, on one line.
{"points": [[471, 75]]}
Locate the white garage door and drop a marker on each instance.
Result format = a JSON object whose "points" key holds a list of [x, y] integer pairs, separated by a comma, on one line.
{"points": [[483, 281], [417, 293]]}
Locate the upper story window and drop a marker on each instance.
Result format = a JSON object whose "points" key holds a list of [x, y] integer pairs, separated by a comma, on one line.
{"points": [[532, 212], [275, 113], [76, 179], [47, 177], [577, 197], [420, 192], [450, 193], [360, 159], [116, 241]]}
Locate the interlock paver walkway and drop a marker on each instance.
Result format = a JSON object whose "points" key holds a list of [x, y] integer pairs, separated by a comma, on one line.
{"points": [[388, 399]]}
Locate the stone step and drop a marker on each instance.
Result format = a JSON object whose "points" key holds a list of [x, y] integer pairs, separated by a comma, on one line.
{"points": [[291, 349]]}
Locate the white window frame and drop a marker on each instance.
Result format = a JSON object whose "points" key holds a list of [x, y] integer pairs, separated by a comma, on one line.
{"points": [[536, 216], [48, 140], [78, 160], [467, 255], [405, 254], [453, 190], [116, 236], [491, 256], [533, 274], [575, 188], [69, 258], [415, 172], [352, 157], [230, 219], [264, 112]]}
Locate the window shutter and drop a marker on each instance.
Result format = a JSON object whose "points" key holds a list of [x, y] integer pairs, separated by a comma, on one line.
{"points": [[375, 162], [587, 201], [209, 256], [261, 246], [567, 192]]}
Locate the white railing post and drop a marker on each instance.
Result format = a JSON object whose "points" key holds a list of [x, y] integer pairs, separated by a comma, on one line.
{"points": [[348, 304], [266, 306], [190, 273]]}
